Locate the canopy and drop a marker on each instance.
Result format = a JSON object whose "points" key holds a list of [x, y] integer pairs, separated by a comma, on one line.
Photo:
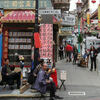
{"points": [[21, 17]]}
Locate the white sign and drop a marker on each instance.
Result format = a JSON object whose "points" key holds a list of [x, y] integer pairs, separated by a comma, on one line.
{"points": [[94, 21], [45, 12], [67, 29], [68, 20], [63, 75]]}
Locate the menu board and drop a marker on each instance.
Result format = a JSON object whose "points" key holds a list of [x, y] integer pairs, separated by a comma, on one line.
{"points": [[46, 37]]}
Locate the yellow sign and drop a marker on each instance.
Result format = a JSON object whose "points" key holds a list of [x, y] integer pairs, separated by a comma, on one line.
{"points": [[88, 18]]}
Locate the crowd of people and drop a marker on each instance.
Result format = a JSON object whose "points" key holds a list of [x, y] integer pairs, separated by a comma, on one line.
{"points": [[70, 52]]}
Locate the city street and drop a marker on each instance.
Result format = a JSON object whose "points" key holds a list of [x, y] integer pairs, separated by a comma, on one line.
{"points": [[35, 35]]}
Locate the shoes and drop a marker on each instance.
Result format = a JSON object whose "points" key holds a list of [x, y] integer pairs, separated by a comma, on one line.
{"points": [[57, 97], [52, 98], [1, 83], [11, 88], [91, 70], [18, 87]]}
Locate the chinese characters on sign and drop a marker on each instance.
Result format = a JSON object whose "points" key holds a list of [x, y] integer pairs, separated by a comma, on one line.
{"points": [[5, 45], [46, 35], [23, 4]]}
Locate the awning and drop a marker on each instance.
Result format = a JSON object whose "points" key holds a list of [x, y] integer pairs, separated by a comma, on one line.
{"points": [[21, 17]]}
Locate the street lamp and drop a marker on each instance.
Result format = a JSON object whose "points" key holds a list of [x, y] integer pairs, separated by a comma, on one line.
{"points": [[79, 4]]}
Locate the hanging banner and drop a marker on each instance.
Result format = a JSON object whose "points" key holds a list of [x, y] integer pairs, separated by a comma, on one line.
{"points": [[0, 49], [5, 46], [37, 40], [46, 35], [99, 16], [88, 18]]}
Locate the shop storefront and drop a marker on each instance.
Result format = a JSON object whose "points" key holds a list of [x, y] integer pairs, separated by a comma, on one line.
{"points": [[18, 27]]}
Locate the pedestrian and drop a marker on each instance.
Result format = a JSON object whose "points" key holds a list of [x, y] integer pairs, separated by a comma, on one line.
{"points": [[75, 54], [37, 58], [61, 51], [44, 83], [33, 74], [9, 76], [93, 55], [69, 50]]}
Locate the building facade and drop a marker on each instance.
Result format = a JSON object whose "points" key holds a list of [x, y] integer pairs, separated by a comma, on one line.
{"points": [[17, 25], [61, 4]]}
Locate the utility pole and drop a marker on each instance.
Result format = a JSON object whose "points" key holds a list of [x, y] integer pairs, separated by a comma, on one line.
{"points": [[36, 50]]}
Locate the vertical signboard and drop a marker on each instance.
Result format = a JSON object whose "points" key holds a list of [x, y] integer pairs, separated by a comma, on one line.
{"points": [[5, 46], [88, 18], [46, 37]]}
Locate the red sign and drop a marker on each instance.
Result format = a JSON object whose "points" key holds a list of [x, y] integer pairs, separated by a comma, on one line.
{"points": [[46, 35], [37, 40], [5, 46]]}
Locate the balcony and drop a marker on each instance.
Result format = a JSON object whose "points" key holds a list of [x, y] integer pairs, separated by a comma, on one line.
{"points": [[61, 4]]}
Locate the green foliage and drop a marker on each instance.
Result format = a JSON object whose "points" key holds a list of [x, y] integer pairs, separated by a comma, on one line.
{"points": [[80, 38]]}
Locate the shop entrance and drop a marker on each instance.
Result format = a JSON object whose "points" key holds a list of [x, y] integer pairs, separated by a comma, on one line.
{"points": [[20, 41]]}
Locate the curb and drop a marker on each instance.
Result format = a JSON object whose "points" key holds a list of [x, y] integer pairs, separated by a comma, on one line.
{"points": [[23, 95]]}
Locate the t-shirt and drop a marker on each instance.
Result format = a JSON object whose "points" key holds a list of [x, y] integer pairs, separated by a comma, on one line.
{"points": [[91, 53]]}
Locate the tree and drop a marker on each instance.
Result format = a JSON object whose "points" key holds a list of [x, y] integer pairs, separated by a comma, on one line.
{"points": [[80, 38]]}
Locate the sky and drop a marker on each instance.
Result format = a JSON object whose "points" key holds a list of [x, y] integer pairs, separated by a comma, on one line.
{"points": [[92, 6]]}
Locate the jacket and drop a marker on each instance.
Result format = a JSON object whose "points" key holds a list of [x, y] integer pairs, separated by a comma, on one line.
{"points": [[93, 53], [40, 83], [6, 69], [69, 48]]}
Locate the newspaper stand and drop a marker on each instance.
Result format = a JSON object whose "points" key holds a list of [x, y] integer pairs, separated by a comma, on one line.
{"points": [[63, 77]]}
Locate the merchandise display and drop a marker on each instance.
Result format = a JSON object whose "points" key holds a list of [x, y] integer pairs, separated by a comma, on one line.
{"points": [[20, 43]]}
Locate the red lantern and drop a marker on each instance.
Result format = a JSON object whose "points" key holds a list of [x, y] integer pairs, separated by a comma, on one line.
{"points": [[91, 21], [84, 20], [93, 1], [98, 21]]}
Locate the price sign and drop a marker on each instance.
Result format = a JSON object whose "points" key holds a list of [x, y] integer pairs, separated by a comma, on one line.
{"points": [[63, 75]]}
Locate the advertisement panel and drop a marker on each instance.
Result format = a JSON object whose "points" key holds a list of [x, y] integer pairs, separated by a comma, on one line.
{"points": [[68, 20], [46, 37]]}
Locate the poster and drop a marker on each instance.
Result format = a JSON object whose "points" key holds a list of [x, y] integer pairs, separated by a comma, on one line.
{"points": [[46, 37]]}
